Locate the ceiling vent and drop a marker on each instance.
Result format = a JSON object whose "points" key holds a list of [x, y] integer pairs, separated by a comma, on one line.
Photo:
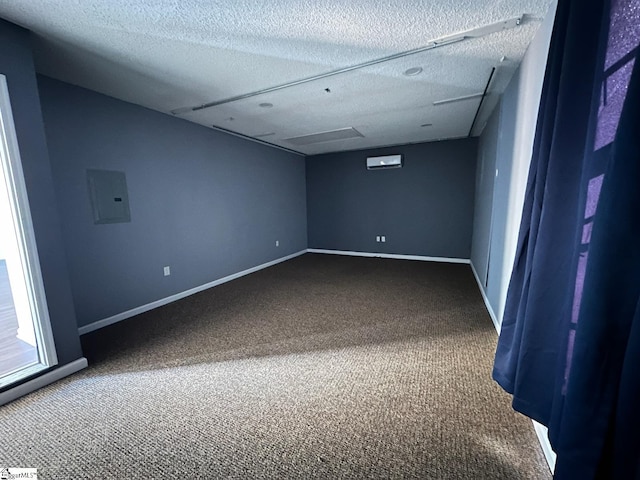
{"points": [[330, 136], [388, 161]]}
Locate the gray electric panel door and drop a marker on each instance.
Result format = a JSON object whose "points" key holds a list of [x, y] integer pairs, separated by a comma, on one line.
{"points": [[109, 197]]}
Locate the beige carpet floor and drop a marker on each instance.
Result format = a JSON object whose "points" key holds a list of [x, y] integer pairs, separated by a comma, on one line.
{"points": [[320, 367]]}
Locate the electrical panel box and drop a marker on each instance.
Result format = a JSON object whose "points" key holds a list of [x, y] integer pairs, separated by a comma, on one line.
{"points": [[109, 196]]}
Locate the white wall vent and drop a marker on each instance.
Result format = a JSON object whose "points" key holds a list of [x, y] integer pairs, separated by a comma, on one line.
{"points": [[388, 161]]}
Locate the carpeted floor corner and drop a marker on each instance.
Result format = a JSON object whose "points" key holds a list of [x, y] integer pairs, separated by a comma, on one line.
{"points": [[320, 367]]}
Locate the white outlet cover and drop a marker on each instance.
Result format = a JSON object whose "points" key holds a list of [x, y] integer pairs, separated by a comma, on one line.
{"points": [[384, 239], [277, 243], [378, 238], [167, 271]]}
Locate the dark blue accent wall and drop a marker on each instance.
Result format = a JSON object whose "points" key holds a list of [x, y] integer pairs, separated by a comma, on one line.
{"points": [[205, 203], [16, 63], [424, 208]]}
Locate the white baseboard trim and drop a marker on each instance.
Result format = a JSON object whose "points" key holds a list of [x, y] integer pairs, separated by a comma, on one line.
{"points": [[43, 380], [543, 438], [391, 255], [164, 301], [492, 314]]}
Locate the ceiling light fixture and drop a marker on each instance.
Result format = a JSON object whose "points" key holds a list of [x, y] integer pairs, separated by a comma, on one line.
{"points": [[330, 136], [427, 125], [413, 71], [458, 99], [266, 105]]}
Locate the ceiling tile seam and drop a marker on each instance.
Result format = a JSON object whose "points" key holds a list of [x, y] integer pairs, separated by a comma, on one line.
{"points": [[389, 146], [258, 140], [484, 94]]}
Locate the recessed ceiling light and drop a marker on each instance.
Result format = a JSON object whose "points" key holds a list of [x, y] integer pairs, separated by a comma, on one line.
{"points": [[266, 105], [413, 71], [426, 125]]}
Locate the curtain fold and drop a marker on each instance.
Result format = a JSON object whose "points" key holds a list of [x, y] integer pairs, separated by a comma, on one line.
{"points": [[569, 346], [536, 309]]}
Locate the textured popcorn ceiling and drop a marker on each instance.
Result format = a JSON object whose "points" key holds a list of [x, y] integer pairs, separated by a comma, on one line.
{"points": [[172, 54]]}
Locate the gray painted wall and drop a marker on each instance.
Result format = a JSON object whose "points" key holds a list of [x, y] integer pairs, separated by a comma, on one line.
{"points": [[205, 203], [485, 178], [505, 183], [424, 208], [16, 63], [511, 146]]}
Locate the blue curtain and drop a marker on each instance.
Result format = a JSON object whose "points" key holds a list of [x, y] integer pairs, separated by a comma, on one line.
{"points": [[569, 348]]}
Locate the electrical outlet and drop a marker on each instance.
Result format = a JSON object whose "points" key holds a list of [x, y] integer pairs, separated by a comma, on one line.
{"points": [[167, 271], [377, 238], [277, 243], [383, 239]]}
